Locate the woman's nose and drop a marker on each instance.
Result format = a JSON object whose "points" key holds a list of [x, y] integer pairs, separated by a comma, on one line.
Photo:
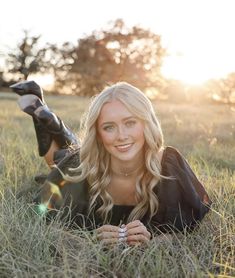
{"points": [[122, 133]]}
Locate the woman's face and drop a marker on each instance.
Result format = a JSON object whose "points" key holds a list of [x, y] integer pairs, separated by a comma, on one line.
{"points": [[121, 133]]}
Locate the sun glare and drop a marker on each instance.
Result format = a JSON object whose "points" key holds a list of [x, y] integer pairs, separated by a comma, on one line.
{"points": [[197, 69], [185, 70], [45, 80], [203, 50]]}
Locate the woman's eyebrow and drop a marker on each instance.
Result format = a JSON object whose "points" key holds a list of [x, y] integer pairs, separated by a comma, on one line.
{"points": [[124, 119]]}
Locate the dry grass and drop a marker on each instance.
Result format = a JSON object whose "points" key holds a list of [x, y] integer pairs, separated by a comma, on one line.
{"points": [[29, 247]]}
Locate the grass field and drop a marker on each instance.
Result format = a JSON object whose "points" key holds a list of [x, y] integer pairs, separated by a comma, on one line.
{"points": [[205, 134]]}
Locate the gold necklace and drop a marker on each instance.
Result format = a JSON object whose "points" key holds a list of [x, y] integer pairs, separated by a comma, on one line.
{"points": [[125, 174]]}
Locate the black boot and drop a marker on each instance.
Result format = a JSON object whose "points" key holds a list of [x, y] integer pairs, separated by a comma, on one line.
{"points": [[47, 125], [44, 138], [29, 104], [28, 88], [60, 133]]}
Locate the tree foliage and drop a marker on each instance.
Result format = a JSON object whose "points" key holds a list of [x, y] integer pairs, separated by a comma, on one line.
{"points": [[27, 58], [117, 53], [228, 87], [223, 89], [108, 56]]}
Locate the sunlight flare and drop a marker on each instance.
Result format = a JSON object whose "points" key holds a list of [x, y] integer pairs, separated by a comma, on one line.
{"points": [[195, 70], [46, 81]]}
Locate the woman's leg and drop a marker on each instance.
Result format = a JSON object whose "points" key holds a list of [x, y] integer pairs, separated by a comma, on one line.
{"points": [[49, 156], [52, 135]]}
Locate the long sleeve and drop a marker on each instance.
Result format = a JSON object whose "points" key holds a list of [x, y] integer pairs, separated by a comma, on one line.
{"points": [[183, 201], [194, 194]]}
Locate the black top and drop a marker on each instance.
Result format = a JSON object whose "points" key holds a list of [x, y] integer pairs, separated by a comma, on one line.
{"points": [[183, 200]]}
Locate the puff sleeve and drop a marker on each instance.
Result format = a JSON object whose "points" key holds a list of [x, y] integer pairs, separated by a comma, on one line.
{"points": [[183, 199]]}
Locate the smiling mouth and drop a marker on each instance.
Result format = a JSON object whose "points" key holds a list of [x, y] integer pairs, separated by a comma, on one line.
{"points": [[124, 148]]}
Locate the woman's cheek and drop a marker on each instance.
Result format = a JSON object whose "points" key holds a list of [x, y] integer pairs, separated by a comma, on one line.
{"points": [[108, 138]]}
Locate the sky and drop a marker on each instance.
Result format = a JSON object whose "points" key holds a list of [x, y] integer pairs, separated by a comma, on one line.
{"points": [[198, 34]]}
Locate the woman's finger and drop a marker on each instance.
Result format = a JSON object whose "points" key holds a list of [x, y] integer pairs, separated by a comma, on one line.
{"points": [[139, 230], [107, 235], [133, 233], [107, 228], [137, 227], [110, 234], [137, 238], [133, 224]]}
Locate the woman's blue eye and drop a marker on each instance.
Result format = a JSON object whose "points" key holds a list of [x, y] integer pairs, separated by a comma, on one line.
{"points": [[130, 123], [109, 128]]}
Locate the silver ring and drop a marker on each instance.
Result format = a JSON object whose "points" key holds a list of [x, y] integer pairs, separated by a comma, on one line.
{"points": [[121, 239], [122, 230], [122, 234]]}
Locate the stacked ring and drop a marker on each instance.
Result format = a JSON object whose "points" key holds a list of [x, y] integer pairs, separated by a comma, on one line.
{"points": [[122, 233]]}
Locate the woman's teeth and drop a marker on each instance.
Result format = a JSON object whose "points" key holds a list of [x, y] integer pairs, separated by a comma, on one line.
{"points": [[124, 147]]}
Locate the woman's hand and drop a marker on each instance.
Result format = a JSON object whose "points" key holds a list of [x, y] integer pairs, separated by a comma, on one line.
{"points": [[137, 233], [108, 234], [134, 233]]}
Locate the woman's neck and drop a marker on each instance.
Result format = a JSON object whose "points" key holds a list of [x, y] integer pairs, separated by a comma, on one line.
{"points": [[128, 168]]}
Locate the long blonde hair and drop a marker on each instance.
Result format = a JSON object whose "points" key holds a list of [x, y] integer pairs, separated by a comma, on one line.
{"points": [[95, 160]]}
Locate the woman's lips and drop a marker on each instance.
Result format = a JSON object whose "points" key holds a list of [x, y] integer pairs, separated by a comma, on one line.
{"points": [[124, 148]]}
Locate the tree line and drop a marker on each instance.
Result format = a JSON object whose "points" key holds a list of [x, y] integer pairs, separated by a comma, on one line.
{"points": [[112, 55], [106, 56]]}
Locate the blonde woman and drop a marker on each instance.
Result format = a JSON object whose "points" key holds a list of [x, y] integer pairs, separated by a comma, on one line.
{"points": [[120, 178]]}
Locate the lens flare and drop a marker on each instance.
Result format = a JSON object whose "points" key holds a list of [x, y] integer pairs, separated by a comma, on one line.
{"points": [[42, 209]]}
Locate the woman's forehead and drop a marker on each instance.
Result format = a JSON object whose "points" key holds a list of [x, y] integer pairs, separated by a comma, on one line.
{"points": [[114, 110]]}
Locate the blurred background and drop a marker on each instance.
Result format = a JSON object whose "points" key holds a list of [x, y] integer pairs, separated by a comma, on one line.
{"points": [[181, 50]]}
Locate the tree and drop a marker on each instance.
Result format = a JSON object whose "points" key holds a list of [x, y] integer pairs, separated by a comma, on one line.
{"points": [[223, 90], [119, 53], [228, 88], [27, 58], [58, 61], [106, 56]]}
